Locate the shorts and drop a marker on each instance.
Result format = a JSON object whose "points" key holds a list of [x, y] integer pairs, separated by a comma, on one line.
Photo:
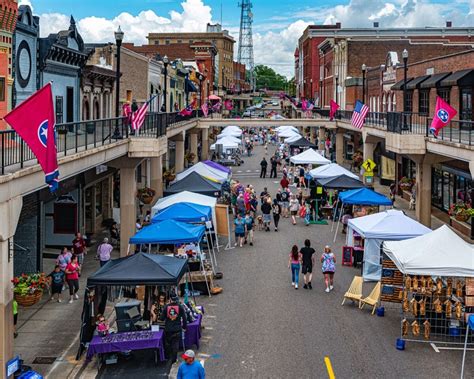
{"points": [[307, 268], [294, 213], [285, 204], [267, 218], [15, 319], [56, 288], [237, 235], [328, 272]]}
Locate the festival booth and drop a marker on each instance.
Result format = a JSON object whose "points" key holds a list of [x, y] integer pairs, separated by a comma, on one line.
{"points": [[182, 240], [195, 183], [293, 138], [341, 182], [218, 166], [390, 225], [286, 133], [205, 171], [286, 127], [309, 156], [229, 138], [432, 276], [331, 170], [131, 283], [300, 145]]}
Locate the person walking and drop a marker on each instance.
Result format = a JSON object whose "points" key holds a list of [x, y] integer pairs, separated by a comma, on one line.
{"points": [[239, 230], [63, 259], [285, 202], [294, 207], [253, 206], [249, 225], [57, 281], [175, 324], [72, 276], [266, 210], [294, 263], [103, 252], [307, 254], [79, 248], [274, 165], [263, 165], [190, 368], [276, 210], [329, 267], [284, 182]]}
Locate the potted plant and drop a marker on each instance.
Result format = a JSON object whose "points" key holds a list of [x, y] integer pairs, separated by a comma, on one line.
{"points": [[190, 157], [357, 158], [28, 288], [146, 195], [461, 211], [406, 183], [169, 176]]}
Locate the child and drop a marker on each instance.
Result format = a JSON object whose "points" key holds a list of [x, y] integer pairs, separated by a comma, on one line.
{"points": [[102, 326], [307, 216], [57, 282]]}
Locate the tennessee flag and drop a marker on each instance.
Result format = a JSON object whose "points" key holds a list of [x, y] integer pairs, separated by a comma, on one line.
{"points": [[205, 109], [333, 107], [188, 111], [443, 114], [34, 121]]}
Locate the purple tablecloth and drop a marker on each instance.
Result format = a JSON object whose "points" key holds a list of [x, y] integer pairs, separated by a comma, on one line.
{"points": [[121, 343], [193, 333]]}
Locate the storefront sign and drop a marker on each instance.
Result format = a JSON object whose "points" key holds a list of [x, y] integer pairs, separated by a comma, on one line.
{"points": [[13, 366], [100, 169]]}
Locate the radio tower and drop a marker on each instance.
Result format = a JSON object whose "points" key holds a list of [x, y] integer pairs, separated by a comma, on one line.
{"points": [[245, 54]]}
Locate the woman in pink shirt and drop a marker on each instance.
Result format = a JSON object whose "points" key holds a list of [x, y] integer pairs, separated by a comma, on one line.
{"points": [[72, 277], [295, 263]]}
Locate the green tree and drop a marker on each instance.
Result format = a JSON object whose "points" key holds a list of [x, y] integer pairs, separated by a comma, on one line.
{"points": [[269, 79]]}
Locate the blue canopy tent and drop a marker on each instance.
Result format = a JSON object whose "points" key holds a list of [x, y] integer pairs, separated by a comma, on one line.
{"points": [[168, 232], [171, 232], [360, 196], [191, 213], [185, 212]]}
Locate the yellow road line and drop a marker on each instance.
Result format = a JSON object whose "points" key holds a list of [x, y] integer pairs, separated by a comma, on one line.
{"points": [[327, 361]]}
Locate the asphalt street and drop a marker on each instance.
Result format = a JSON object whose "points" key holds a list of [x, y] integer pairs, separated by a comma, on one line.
{"points": [[261, 327]]}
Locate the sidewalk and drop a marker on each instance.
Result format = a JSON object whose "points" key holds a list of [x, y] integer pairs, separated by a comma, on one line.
{"points": [[48, 332]]}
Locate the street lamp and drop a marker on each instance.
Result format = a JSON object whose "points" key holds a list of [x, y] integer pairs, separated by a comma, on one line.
{"points": [[337, 87], [311, 81], [166, 62], [405, 71], [200, 77], [364, 69], [118, 41], [320, 93]]}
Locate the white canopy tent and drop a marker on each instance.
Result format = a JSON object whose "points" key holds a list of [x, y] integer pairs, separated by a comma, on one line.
{"points": [[331, 170], [227, 144], [204, 170], [230, 132], [228, 137], [439, 253], [286, 127], [293, 138], [309, 156], [390, 225], [288, 133]]}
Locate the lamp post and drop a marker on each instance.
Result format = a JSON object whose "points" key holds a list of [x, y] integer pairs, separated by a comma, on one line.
{"points": [[208, 84], [166, 62], [311, 81], [364, 69], [201, 79], [320, 93], [405, 71], [337, 87], [118, 41]]}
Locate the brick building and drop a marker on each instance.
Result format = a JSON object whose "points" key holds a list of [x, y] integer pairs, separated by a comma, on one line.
{"points": [[8, 17], [343, 51], [222, 41], [240, 83]]}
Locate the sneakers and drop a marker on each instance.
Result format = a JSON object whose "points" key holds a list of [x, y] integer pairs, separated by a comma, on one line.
{"points": [[293, 284], [276, 229], [327, 289], [251, 243], [76, 296], [59, 300], [331, 288], [310, 286], [296, 286], [70, 301], [305, 287]]}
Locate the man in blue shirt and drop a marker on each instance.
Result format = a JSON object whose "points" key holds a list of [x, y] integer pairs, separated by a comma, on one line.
{"points": [[239, 230], [190, 369]]}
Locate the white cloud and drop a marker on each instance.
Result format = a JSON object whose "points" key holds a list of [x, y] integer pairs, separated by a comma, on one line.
{"points": [[26, 2]]}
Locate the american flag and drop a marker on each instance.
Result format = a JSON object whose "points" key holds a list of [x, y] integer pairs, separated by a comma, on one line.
{"points": [[358, 116], [138, 117]]}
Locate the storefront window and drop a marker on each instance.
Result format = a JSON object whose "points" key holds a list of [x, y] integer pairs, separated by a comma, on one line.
{"points": [[444, 94], [409, 102], [98, 199], [437, 188], [424, 102]]}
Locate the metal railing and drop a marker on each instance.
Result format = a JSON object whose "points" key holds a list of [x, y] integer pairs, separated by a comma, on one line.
{"points": [[74, 137], [406, 122], [457, 131]]}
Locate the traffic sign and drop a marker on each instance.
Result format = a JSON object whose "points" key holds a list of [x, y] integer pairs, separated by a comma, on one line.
{"points": [[368, 165]]}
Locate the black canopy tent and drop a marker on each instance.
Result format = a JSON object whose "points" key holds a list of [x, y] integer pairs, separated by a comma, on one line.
{"points": [[302, 143], [138, 269], [341, 182], [195, 183]]}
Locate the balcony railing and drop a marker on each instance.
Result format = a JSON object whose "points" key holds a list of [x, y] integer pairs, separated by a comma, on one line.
{"points": [[74, 137], [457, 131]]}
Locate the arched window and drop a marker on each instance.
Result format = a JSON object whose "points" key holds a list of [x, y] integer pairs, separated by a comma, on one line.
{"points": [[85, 109]]}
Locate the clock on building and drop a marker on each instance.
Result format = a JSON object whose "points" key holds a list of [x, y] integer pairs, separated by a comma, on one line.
{"points": [[23, 64]]}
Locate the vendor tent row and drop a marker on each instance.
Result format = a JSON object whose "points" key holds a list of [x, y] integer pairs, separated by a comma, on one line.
{"points": [[230, 138]]}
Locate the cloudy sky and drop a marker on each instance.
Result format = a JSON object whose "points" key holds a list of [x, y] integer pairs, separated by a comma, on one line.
{"points": [[277, 23]]}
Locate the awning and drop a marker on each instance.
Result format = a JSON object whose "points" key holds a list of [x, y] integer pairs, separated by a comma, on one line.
{"points": [[434, 80], [415, 83], [459, 78], [399, 85], [190, 87]]}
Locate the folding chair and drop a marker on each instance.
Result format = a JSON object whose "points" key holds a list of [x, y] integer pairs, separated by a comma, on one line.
{"points": [[354, 292], [373, 298]]}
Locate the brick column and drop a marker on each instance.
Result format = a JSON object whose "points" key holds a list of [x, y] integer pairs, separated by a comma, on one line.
{"points": [[423, 192], [321, 138], [10, 211], [193, 139], [340, 147], [179, 157], [156, 174]]}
